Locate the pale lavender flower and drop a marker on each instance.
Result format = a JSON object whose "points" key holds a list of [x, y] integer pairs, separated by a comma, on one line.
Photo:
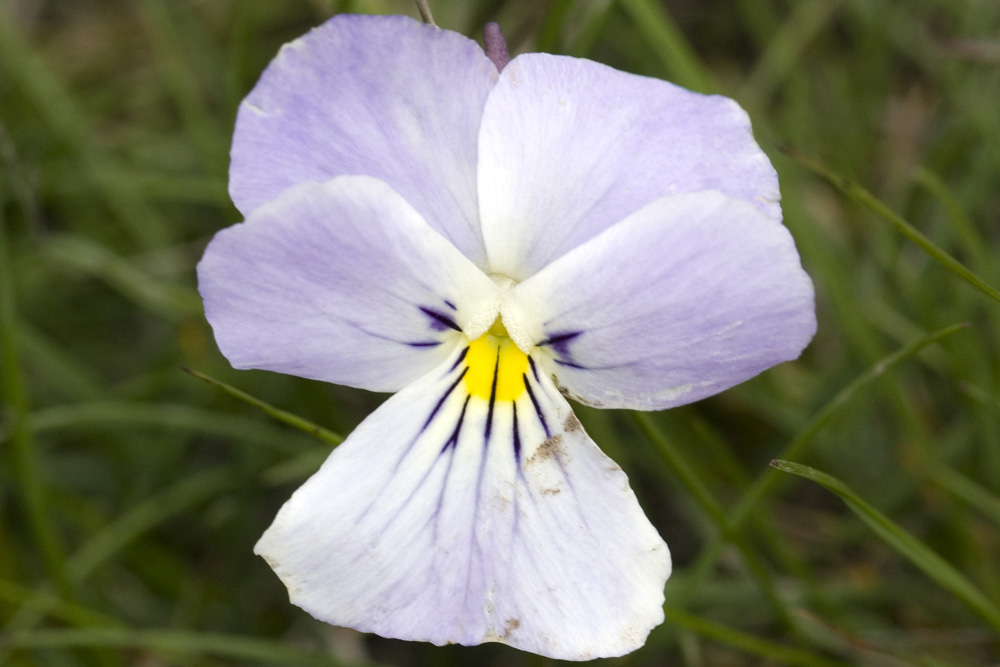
{"points": [[484, 243]]}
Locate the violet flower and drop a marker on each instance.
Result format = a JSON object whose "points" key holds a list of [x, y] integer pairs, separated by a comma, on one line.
{"points": [[484, 243]]}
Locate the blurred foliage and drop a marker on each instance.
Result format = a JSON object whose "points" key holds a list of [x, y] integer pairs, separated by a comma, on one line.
{"points": [[131, 494]]}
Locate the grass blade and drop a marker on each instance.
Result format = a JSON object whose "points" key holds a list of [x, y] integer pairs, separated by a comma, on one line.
{"points": [[696, 485], [968, 491], [903, 542], [27, 469], [869, 201], [143, 517], [747, 642], [171, 642], [766, 482], [39, 85], [91, 258], [798, 445], [784, 50], [73, 416], [107, 542], [47, 603], [667, 41]]}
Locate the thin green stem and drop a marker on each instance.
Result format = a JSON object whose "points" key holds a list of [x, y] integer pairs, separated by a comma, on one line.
{"points": [[869, 201], [425, 12], [279, 414]]}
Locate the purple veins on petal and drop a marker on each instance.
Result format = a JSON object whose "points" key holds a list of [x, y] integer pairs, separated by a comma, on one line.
{"points": [[560, 342], [534, 401], [452, 441], [516, 436], [444, 397], [439, 321], [493, 398], [461, 357], [534, 370], [425, 343]]}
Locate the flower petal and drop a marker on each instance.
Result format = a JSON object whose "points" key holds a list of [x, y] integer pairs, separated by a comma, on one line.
{"points": [[691, 295], [381, 96], [569, 147], [343, 282], [453, 518]]}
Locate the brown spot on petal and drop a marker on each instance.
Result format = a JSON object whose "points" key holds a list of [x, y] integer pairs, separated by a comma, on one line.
{"points": [[572, 424], [561, 389], [551, 448], [509, 627]]}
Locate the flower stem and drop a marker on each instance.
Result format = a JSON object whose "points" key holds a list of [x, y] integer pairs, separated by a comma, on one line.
{"points": [[425, 13]]}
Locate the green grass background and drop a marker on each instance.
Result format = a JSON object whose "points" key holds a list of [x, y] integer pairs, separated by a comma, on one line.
{"points": [[131, 493]]}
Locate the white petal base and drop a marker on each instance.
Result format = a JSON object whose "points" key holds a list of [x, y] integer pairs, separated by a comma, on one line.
{"points": [[452, 518]]}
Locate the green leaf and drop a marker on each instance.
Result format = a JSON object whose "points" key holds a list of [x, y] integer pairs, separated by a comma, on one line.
{"points": [[908, 546]]}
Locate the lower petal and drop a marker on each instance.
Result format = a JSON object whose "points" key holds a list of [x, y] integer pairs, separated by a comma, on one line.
{"points": [[457, 515]]}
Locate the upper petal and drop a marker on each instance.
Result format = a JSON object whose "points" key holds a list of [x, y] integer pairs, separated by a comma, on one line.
{"points": [[452, 518], [381, 96], [569, 147], [341, 281], [691, 295]]}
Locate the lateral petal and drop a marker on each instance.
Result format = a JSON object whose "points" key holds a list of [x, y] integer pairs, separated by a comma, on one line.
{"points": [[382, 96], [569, 147], [340, 281], [691, 295], [453, 518]]}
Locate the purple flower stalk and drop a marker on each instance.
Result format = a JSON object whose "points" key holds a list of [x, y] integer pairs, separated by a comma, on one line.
{"points": [[484, 236]]}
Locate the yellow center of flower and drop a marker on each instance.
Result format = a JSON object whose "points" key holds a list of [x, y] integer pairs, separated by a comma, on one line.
{"points": [[496, 366]]}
